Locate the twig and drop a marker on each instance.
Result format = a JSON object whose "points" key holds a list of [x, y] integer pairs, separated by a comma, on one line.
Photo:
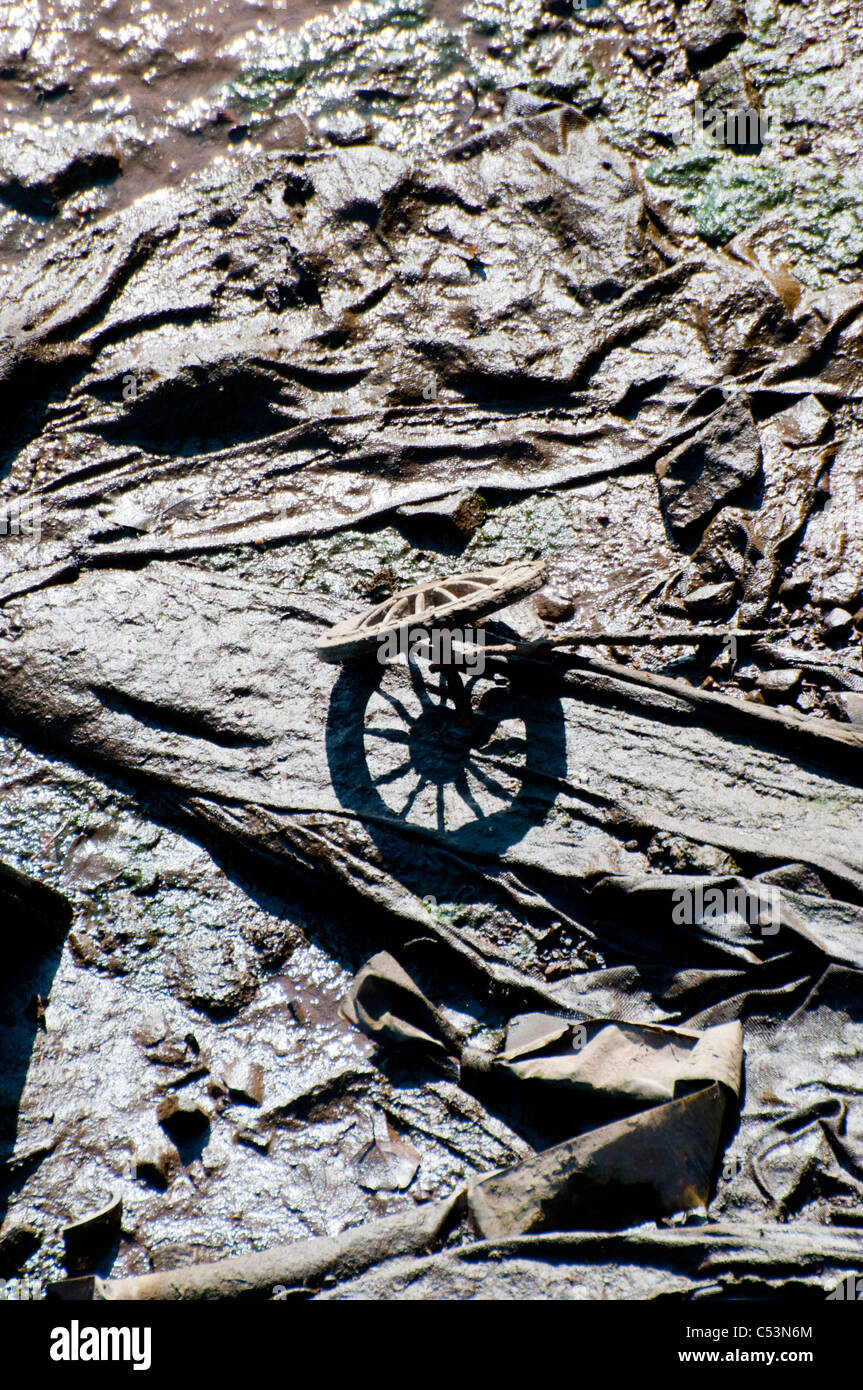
{"points": [[672, 637]]}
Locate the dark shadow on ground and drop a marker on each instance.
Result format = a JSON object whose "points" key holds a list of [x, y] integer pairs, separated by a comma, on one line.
{"points": [[35, 919], [443, 751]]}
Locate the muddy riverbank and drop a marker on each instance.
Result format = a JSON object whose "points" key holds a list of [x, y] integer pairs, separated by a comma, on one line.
{"points": [[307, 307]]}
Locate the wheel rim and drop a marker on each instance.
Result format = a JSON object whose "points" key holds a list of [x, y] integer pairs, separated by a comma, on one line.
{"points": [[456, 598]]}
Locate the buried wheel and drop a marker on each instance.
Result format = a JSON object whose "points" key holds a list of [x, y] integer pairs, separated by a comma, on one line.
{"points": [[457, 599]]}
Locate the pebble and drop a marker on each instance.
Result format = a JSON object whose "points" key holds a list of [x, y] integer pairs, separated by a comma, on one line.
{"points": [[778, 683], [18, 1241], [851, 704], [710, 598], [552, 606], [245, 1081], [154, 1162], [836, 623]]}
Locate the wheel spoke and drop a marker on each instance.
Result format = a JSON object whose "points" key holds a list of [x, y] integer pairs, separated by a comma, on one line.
{"points": [[394, 775], [477, 594], [397, 705], [489, 783], [409, 804], [467, 796], [391, 735]]}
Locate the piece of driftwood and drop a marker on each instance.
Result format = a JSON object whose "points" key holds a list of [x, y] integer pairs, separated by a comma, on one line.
{"points": [[298, 1268], [820, 736]]}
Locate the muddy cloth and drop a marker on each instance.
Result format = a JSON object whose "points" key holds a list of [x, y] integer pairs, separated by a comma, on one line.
{"points": [[656, 1161], [721, 1261], [297, 352]]}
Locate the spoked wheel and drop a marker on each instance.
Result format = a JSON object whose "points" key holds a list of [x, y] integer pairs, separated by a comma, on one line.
{"points": [[445, 603]]}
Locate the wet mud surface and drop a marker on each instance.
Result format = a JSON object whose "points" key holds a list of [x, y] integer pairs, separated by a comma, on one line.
{"points": [[324, 329]]}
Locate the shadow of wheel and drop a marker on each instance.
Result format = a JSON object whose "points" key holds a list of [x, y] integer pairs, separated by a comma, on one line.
{"points": [[401, 756]]}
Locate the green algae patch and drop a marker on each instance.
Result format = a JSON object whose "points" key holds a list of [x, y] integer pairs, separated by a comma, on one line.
{"points": [[818, 210], [723, 195]]}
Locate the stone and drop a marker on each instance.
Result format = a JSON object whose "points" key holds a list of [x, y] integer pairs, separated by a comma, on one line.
{"points": [[805, 422], [843, 586], [721, 553], [712, 31], [778, 684], [851, 704], [214, 973], [245, 1081], [710, 599], [18, 1241], [172, 1051], [344, 128], [151, 1029], [254, 1139], [455, 517], [724, 86], [183, 1117], [835, 624], [552, 606], [87, 1240], [748, 674], [39, 172], [794, 590], [718, 460], [154, 1162]]}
